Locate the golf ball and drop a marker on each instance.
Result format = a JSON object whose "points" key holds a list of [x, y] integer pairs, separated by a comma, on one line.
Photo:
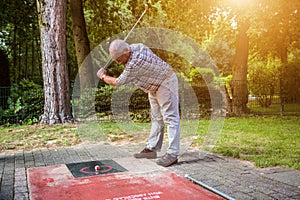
{"points": [[97, 168]]}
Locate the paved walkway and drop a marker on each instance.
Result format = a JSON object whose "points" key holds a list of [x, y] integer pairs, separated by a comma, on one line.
{"points": [[239, 180]]}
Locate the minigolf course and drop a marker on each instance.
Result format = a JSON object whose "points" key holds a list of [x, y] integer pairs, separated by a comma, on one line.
{"points": [[117, 179]]}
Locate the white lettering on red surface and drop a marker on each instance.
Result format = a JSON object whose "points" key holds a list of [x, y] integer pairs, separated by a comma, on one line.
{"points": [[141, 196]]}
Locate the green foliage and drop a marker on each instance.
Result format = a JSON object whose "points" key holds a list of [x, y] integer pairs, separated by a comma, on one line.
{"points": [[99, 101], [189, 17], [274, 30], [156, 14], [84, 104], [291, 82], [103, 98], [139, 106], [138, 102], [263, 80], [221, 53], [107, 18], [19, 38], [140, 115], [274, 27], [25, 102]]}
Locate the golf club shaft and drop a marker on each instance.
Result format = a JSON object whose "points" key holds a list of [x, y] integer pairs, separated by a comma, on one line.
{"points": [[139, 19], [108, 63]]}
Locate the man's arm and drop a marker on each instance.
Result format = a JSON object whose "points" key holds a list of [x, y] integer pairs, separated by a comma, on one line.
{"points": [[107, 79], [110, 80]]}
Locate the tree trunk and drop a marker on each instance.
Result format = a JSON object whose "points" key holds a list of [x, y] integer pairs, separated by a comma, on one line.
{"points": [[19, 72], [239, 71], [39, 59], [15, 53], [32, 54], [26, 72], [52, 18], [82, 45], [283, 53]]}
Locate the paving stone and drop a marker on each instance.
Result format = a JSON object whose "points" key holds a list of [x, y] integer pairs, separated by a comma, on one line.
{"points": [[6, 192], [28, 159], [241, 195], [238, 179], [47, 157], [21, 196]]}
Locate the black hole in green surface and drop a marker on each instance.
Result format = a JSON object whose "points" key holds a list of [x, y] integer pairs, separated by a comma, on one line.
{"points": [[84, 169]]}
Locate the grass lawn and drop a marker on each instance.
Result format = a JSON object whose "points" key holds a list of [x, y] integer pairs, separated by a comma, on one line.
{"points": [[274, 109], [266, 141], [37, 136]]}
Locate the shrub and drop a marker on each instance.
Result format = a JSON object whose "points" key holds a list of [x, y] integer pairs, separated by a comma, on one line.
{"points": [[263, 80], [26, 102]]}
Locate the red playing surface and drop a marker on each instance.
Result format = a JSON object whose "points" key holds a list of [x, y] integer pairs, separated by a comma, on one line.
{"points": [[56, 182]]}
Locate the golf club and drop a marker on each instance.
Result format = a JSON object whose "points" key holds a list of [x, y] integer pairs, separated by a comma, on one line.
{"points": [[139, 19]]}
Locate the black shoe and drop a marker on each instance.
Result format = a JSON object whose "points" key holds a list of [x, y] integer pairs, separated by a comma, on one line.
{"points": [[146, 153]]}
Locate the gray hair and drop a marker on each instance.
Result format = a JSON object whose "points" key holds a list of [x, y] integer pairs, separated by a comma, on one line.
{"points": [[119, 47]]}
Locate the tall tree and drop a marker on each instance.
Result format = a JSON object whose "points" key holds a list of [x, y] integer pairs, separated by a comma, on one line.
{"points": [[240, 69], [82, 44], [52, 18], [243, 11], [278, 38], [18, 22]]}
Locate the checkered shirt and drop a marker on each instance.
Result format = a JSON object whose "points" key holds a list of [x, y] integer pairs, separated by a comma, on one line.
{"points": [[144, 69]]}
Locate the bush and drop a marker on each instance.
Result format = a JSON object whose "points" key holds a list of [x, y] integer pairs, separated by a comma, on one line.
{"points": [[26, 102], [138, 103], [103, 98], [263, 81], [99, 101], [139, 106]]}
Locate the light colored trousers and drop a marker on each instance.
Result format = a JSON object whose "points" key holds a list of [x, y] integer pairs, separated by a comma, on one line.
{"points": [[165, 111]]}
